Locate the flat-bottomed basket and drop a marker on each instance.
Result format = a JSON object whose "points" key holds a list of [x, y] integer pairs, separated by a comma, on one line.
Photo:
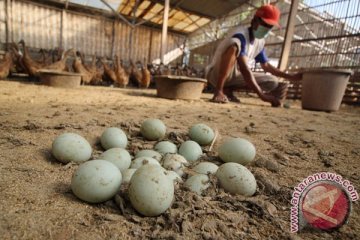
{"points": [[60, 79], [179, 87]]}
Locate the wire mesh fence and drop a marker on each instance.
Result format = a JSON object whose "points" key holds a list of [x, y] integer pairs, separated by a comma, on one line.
{"points": [[327, 36]]}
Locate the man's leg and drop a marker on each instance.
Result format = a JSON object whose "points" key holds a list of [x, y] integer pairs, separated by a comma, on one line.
{"points": [[222, 72], [212, 78]]}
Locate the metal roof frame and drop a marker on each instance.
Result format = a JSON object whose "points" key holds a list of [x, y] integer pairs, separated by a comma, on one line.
{"points": [[185, 16]]}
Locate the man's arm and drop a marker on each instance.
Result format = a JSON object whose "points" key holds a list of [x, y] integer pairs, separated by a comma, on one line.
{"points": [[250, 80], [267, 67]]}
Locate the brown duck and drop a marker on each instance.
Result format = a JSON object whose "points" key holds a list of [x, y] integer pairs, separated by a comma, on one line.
{"points": [[5, 65]]}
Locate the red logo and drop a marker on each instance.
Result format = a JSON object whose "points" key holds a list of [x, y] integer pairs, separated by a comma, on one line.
{"points": [[325, 205]]}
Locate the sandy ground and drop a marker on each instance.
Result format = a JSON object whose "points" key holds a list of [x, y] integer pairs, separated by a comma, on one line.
{"points": [[36, 201]]}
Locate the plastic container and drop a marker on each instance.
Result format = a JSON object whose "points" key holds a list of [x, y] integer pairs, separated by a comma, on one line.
{"points": [[179, 87], [323, 89], [60, 79]]}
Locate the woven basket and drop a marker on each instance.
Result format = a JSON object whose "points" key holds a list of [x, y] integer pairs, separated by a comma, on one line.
{"points": [[179, 87], [60, 79]]}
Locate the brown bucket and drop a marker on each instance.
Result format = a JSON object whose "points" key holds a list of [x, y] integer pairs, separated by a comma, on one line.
{"points": [[60, 79], [324, 89], [179, 87]]}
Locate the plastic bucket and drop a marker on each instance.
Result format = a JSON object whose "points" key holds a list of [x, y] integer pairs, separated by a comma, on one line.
{"points": [[323, 90]]}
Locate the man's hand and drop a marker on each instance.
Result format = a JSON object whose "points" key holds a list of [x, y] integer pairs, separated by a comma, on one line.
{"points": [[280, 91], [277, 95], [295, 77], [275, 102], [267, 67]]}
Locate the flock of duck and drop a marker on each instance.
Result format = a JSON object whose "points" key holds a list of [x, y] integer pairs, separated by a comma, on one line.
{"points": [[99, 71]]}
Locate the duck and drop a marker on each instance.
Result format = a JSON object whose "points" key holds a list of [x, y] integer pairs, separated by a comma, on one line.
{"points": [[145, 76], [31, 66], [122, 78], [61, 64], [18, 65], [97, 73], [135, 73], [79, 68], [5, 65], [109, 73], [46, 58]]}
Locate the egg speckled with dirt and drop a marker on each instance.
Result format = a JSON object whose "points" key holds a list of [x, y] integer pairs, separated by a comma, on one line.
{"points": [[127, 175], [201, 133], [236, 179], [113, 138], [153, 129], [149, 153], [198, 183], [118, 156], [165, 147], [237, 150], [206, 168], [190, 150], [174, 176], [71, 147], [138, 162], [175, 162], [151, 191], [96, 181]]}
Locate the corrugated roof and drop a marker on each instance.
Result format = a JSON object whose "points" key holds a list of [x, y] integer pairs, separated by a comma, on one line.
{"points": [[184, 16]]}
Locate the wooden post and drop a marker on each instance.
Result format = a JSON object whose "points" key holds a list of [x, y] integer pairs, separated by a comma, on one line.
{"points": [[285, 52], [150, 45], [131, 43], [113, 39], [183, 52], [7, 24], [133, 26], [61, 42], [163, 46], [62, 19]]}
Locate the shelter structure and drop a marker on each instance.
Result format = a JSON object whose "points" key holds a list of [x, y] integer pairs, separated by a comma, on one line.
{"points": [[314, 33]]}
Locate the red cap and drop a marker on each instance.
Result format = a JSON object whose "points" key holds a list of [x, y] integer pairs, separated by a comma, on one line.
{"points": [[269, 14]]}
